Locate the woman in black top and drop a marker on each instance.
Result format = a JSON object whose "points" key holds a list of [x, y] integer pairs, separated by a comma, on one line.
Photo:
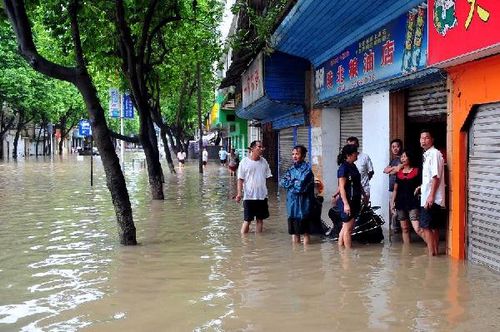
{"points": [[350, 191], [404, 198]]}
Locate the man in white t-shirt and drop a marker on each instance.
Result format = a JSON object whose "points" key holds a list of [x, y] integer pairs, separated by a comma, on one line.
{"points": [[433, 190], [252, 174], [364, 165]]}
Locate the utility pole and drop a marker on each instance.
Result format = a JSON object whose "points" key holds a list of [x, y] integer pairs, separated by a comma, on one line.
{"points": [[200, 142]]}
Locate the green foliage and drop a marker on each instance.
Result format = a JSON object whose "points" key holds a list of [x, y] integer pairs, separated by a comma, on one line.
{"points": [[258, 21]]}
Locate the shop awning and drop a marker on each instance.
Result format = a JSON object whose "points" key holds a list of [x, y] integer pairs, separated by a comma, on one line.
{"points": [[317, 29], [273, 87]]}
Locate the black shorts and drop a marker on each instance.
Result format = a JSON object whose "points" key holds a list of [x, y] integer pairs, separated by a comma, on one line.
{"points": [[298, 227], [182, 161], [223, 161], [355, 206], [255, 209], [204, 163], [431, 218]]}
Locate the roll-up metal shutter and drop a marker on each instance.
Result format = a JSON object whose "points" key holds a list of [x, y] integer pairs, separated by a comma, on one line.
{"points": [[303, 138], [351, 124], [286, 145], [427, 101], [483, 221]]}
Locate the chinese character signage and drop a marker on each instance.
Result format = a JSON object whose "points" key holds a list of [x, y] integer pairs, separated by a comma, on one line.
{"points": [[395, 49], [114, 103], [84, 128], [128, 107], [463, 30], [252, 83]]}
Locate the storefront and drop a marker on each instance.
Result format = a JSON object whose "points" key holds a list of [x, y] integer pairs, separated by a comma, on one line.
{"points": [[473, 122]]}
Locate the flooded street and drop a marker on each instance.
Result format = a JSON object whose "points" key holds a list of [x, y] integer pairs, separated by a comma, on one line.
{"points": [[62, 268]]}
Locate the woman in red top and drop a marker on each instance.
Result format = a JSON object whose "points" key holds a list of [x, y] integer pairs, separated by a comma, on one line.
{"points": [[404, 199]]}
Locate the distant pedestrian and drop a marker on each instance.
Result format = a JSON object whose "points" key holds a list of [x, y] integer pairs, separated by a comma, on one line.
{"points": [[405, 203], [299, 184], [252, 188], [351, 192], [181, 157], [233, 162], [394, 167], [204, 157], [364, 165], [223, 156], [432, 192]]}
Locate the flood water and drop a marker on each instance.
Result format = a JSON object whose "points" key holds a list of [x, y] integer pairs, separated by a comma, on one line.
{"points": [[62, 268]]}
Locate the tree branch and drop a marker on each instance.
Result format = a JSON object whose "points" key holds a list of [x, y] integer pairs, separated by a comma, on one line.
{"points": [[21, 25], [128, 139]]}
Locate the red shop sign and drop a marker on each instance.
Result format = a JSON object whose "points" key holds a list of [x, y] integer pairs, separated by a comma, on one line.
{"points": [[462, 30]]}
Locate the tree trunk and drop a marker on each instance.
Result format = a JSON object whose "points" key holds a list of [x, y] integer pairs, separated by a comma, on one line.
{"points": [[150, 147], [168, 156], [115, 180]]}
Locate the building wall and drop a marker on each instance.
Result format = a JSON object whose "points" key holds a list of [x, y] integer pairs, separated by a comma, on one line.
{"points": [[376, 115], [325, 137], [470, 84]]}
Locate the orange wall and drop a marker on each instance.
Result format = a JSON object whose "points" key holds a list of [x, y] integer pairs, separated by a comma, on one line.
{"points": [[471, 84]]}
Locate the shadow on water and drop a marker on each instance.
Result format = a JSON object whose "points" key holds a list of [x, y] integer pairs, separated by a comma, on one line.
{"points": [[61, 268]]}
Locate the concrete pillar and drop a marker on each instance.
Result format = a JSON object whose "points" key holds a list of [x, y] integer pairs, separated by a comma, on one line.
{"points": [[376, 114]]}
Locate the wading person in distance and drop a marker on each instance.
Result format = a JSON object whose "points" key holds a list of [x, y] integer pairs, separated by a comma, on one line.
{"points": [[350, 190], [252, 174], [404, 201], [433, 191], [299, 184]]}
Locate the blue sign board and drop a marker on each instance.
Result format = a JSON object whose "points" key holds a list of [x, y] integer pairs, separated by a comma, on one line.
{"points": [[128, 107], [84, 128], [114, 103], [395, 49]]}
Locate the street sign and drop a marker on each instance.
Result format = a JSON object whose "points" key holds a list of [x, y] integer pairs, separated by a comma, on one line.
{"points": [[128, 107], [84, 128], [114, 103]]}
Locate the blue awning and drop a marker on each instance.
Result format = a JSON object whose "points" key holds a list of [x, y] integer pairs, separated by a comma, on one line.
{"points": [[284, 89], [317, 29]]}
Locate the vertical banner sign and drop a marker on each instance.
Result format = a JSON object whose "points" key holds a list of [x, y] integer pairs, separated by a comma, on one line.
{"points": [[84, 128], [252, 83], [128, 107], [396, 49], [463, 30], [114, 103]]}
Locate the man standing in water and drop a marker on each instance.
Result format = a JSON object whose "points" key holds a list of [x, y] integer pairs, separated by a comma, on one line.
{"points": [[433, 191], [252, 174]]}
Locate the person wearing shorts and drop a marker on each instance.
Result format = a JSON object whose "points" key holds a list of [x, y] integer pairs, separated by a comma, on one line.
{"points": [[350, 190], [253, 172], [404, 201], [433, 192]]}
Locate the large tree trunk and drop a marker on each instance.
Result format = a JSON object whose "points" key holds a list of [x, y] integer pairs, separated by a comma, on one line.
{"points": [[20, 124], [150, 148], [115, 180], [79, 76]]}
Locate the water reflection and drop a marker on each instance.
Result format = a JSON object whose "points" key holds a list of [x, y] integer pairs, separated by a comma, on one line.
{"points": [[61, 268]]}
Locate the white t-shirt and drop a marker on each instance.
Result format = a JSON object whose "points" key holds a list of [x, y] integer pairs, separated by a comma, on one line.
{"points": [[204, 156], [365, 166], [433, 166], [254, 174], [181, 155]]}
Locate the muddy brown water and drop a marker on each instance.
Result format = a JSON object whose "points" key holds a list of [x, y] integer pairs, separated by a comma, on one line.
{"points": [[62, 269]]}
